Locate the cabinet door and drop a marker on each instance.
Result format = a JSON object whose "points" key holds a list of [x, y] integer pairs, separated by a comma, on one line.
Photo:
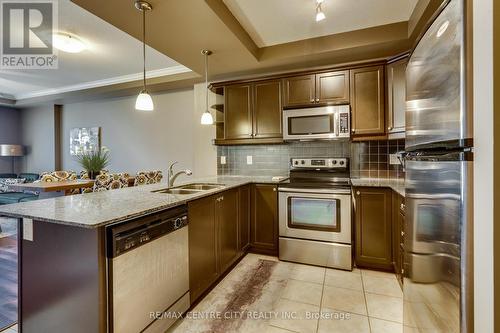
{"points": [[396, 96], [238, 112], [367, 101], [267, 110], [264, 227], [332, 87], [299, 90], [373, 214], [202, 246], [227, 218], [244, 218]]}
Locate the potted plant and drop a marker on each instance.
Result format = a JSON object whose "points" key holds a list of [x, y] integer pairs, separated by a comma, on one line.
{"points": [[94, 161]]}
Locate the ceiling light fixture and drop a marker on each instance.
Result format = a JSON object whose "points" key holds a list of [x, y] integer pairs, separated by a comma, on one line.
{"points": [[144, 102], [320, 16], [206, 117], [68, 42]]}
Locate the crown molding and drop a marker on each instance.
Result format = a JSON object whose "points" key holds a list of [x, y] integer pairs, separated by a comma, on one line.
{"points": [[106, 82]]}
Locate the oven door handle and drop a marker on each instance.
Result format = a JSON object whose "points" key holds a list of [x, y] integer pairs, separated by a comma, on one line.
{"points": [[320, 191], [336, 124]]}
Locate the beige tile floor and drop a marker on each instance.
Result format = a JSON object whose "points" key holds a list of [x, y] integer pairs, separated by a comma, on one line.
{"points": [[324, 300], [12, 329]]}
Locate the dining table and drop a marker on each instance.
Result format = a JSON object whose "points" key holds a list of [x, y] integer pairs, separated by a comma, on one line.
{"points": [[53, 189]]}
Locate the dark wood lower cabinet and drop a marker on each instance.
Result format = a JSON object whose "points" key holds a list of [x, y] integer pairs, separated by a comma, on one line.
{"points": [[227, 222], [373, 215], [264, 219], [244, 219], [202, 246]]}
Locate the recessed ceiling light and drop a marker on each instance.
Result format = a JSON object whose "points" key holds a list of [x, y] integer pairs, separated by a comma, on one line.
{"points": [[68, 42], [442, 28]]}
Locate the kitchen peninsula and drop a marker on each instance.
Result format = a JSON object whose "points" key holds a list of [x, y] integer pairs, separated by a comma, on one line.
{"points": [[64, 252]]}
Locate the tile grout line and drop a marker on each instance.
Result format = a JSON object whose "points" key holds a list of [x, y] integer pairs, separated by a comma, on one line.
{"points": [[321, 301], [366, 302]]}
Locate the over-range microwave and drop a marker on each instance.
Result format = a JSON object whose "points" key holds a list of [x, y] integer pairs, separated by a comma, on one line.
{"points": [[319, 123]]}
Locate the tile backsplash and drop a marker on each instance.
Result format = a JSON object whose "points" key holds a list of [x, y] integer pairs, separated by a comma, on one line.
{"points": [[370, 159], [367, 159], [273, 160]]}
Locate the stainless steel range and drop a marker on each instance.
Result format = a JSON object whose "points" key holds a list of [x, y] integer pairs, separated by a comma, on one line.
{"points": [[315, 213]]}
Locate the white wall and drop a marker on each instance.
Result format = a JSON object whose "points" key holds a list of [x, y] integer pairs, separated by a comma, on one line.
{"points": [[139, 140], [37, 127], [483, 166]]}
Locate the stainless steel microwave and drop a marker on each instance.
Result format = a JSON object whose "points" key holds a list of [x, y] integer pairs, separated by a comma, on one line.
{"points": [[319, 123]]}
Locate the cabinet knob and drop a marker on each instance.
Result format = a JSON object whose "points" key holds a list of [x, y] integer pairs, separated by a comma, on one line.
{"points": [[353, 131], [274, 189], [389, 128], [402, 206], [312, 100], [402, 233], [358, 193], [221, 198], [317, 100]]}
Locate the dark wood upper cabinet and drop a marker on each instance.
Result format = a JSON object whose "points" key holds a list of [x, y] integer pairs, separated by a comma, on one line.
{"points": [[373, 228], [332, 87], [299, 90], [238, 112], [367, 101], [252, 113], [264, 219], [203, 268], [244, 218], [227, 220], [267, 110], [321, 88]]}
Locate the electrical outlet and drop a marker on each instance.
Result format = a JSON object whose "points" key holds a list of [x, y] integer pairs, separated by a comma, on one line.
{"points": [[393, 159], [249, 159], [223, 160]]}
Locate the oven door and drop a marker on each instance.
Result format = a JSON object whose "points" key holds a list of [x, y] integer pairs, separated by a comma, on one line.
{"points": [[315, 215]]}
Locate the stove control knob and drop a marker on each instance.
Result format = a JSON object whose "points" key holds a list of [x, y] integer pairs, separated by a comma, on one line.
{"points": [[334, 162], [341, 162], [303, 162], [296, 162]]}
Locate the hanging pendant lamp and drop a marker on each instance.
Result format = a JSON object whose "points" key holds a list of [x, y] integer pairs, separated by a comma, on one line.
{"points": [[144, 102], [206, 117]]}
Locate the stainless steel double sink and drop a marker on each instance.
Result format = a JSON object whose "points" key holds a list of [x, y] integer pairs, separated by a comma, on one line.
{"points": [[190, 188]]}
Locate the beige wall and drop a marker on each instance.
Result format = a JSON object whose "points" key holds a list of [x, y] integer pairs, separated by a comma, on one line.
{"points": [[205, 153], [483, 166], [37, 127], [137, 140]]}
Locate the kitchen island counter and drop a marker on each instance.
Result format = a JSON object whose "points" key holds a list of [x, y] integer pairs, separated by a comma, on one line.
{"points": [[93, 210]]}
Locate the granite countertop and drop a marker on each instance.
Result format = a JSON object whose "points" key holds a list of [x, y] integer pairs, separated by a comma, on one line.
{"points": [[94, 210], [397, 185]]}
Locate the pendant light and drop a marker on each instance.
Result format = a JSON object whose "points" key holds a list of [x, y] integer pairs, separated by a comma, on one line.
{"points": [[206, 117], [320, 15], [144, 102]]}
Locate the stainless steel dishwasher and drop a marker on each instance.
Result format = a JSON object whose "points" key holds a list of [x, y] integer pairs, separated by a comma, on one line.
{"points": [[148, 272]]}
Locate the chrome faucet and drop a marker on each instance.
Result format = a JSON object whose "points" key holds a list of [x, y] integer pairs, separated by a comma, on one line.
{"points": [[170, 174]]}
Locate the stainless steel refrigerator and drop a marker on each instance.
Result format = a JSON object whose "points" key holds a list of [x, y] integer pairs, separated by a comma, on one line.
{"points": [[438, 226]]}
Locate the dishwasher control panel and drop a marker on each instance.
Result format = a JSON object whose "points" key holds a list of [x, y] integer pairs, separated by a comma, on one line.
{"points": [[130, 235]]}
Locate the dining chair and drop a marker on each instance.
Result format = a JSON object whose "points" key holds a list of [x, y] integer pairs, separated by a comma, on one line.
{"points": [[148, 177]]}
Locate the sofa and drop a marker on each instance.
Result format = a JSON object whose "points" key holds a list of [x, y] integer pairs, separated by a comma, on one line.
{"points": [[9, 197]]}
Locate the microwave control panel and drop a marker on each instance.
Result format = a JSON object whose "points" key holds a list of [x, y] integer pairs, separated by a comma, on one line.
{"points": [[344, 123]]}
